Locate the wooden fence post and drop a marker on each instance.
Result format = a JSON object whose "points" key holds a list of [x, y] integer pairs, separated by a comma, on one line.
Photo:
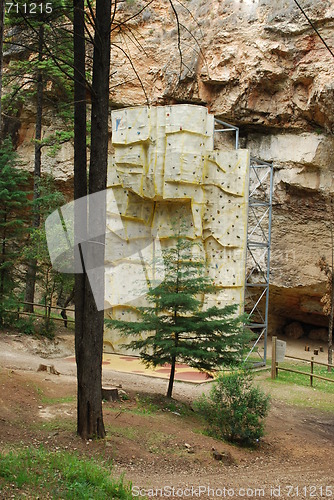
{"points": [[273, 358], [311, 376]]}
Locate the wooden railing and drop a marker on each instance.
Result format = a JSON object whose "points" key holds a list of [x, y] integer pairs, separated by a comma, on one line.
{"points": [[19, 312], [275, 367]]}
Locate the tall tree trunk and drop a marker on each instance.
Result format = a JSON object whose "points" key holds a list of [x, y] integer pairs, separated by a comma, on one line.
{"points": [[90, 321], [3, 270], [175, 315], [2, 27], [331, 314], [173, 364], [171, 378], [80, 190], [32, 264]]}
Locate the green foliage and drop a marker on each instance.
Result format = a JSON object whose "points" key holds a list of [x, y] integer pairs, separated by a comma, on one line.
{"points": [[177, 327], [47, 328], [60, 474], [235, 409], [42, 48], [51, 283], [54, 141], [25, 325], [14, 216], [146, 405]]}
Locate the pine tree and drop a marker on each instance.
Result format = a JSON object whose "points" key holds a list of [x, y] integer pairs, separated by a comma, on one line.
{"points": [[41, 36], [13, 225], [177, 326], [50, 282]]}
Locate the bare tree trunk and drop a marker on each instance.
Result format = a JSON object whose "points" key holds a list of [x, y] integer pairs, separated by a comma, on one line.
{"points": [[80, 190], [3, 271], [32, 264], [173, 364], [331, 314], [171, 378], [2, 28], [3, 249], [90, 321]]}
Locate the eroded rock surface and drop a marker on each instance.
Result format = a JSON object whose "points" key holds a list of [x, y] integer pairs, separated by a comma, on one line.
{"points": [[259, 65]]}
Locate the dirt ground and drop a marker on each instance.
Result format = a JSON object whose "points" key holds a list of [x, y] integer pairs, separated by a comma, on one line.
{"points": [[163, 450]]}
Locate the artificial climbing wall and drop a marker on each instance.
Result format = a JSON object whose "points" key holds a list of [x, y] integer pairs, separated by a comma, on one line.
{"points": [[164, 168]]}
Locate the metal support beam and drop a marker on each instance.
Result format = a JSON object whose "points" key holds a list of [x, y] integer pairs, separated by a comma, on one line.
{"points": [[258, 247], [228, 128], [258, 253]]}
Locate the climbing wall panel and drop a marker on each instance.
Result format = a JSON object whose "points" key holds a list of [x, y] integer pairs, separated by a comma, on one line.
{"points": [[164, 168]]}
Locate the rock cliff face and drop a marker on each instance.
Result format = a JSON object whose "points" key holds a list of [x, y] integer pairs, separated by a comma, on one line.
{"points": [[257, 64]]}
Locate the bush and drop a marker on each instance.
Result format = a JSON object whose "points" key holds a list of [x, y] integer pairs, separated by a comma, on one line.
{"points": [[25, 325], [235, 409], [47, 329]]}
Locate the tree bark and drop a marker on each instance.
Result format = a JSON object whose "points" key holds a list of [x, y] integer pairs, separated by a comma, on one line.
{"points": [[173, 364], [32, 264], [331, 314], [3, 272], [2, 27], [176, 342], [171, 378], [80, 190], [90, 321]]}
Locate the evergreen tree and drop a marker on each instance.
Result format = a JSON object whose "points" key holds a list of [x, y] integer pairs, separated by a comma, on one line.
{"points": [[177, 326], [42, 37], [13, 226], [50, 282]]}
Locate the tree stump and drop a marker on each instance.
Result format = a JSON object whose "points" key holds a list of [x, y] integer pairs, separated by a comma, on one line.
{"points": [[49, 369], [110, 393]]}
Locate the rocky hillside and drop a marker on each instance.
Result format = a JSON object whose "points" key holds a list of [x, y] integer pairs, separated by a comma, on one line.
{"points": [[257, 64]]}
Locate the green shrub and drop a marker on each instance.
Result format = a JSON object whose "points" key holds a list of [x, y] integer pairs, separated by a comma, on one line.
{"points": [[235, 409], [47, 329], [25, 325]]}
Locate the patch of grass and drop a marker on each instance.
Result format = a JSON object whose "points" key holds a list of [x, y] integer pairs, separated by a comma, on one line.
{"points": [[54, 401], [130, 433], [151, 404], [56, 424], [311, 402], [155, 403], [176, 407], [146, 405], [58, 475], [202, 431], [154, 441], [157, 441], [304, 380]]}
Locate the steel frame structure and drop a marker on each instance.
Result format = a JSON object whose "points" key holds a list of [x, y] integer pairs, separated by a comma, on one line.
{"points": [[259, 222]]}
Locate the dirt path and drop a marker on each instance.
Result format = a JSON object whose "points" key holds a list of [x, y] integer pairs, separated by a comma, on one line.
{"points": [[150, 448]]}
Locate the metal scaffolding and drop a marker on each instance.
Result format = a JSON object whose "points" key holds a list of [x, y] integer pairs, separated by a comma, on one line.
{"points": [[258, 253], [227, 127], [258, 248]]}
